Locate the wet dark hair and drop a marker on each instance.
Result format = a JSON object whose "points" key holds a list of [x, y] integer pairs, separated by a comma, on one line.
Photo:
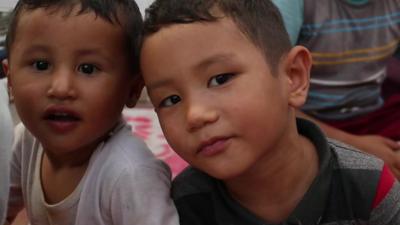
{"points": [[125, 13], [259, 20]]}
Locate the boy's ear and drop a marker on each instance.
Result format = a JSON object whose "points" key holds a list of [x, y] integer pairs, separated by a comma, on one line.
{"points": [[135, 91], [5, 67], [6, 70], [297, 68]]}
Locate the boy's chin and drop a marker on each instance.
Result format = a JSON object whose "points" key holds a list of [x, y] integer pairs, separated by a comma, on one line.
{"points": [[222, 174]]}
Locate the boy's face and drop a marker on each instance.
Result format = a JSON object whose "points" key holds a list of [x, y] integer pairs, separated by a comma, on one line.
{"points": [[218, 104], [69, 76]]}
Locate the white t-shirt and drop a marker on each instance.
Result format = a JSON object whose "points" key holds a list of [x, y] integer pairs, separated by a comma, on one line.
{"points": [[123, 184], [6, 135], [61, 213]]}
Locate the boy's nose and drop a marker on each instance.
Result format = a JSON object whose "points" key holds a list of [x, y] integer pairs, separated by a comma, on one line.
{"points": [[62, 85], [199, 115]]}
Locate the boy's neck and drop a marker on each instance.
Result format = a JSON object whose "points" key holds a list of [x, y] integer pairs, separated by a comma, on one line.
{"points": [[56, 168], [79, 157], [273, 190], [73, 159], [55, 186]]}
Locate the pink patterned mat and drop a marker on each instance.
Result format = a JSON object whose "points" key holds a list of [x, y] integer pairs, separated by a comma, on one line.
{"points": [[145, 125]]}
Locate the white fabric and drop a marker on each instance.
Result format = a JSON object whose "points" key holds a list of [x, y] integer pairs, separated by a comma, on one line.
{"points": [[61, 213], [7, 5], [124, 184], [6, 134]]}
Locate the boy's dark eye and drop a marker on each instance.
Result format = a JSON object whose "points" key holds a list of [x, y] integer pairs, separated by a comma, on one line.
{"points": [[41, 65], [87, 68], [220, 79], [170, 101]]}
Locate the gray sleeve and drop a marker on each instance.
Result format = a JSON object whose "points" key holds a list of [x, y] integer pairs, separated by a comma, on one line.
{"points": [[6, 138], [143, 197], [388, 210]]}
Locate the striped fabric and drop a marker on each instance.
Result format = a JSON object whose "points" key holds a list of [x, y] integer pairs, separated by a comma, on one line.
{"points": [[350, 45], [352, 188]]}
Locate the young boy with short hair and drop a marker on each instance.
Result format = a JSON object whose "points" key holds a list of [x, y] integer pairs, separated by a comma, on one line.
{"points": [[72, 66], [226, 83]]}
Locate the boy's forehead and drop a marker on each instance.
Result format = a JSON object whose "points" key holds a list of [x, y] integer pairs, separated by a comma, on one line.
{"points": [[54, 11], [175, 30], [63, 13], [191, 35], [41, 27], [73, 9], [195, 47], [210, 33], [41, 18]]}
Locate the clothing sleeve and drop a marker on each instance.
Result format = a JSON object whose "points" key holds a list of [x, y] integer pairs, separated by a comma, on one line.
{"points": [[292, 12], [15, 200], [142, 196], [386, 205], [6, 138]]}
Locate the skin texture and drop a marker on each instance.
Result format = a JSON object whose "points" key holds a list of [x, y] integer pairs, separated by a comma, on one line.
{"points": [[223, 111], [73, 64]]}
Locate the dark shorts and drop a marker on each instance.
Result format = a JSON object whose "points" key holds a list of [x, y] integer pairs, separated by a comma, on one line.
{"points": [[384, 121]]}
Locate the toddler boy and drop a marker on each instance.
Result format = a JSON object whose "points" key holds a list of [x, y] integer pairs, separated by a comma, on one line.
{"points": [[72, 66]]}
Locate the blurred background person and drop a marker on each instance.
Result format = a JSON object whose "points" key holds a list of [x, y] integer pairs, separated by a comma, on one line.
{"points": [[6, 138], [352, 43]]}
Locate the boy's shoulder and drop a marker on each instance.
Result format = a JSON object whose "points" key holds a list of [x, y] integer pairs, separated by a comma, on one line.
{"points": [[121, 171], [198, 199], [122, 143], [363, 184], [350, 158], [192, 181], [356, 172], [125, 153], [25, 145], [351, 186]]}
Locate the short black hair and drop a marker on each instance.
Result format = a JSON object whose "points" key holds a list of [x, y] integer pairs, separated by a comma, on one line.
{"points": [[125, 13], [259, 20]]}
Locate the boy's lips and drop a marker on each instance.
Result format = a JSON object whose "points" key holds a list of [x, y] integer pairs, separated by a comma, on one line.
{"points": [[61, 119], [213, 145]]}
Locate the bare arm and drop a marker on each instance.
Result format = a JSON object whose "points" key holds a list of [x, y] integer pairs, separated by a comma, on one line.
{"points": [[380, 146]]}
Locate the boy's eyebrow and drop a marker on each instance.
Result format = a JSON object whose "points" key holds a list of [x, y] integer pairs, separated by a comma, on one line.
{"points": [[89, 51], [37, 48], [218, 58], [158, 84], [207, 62], [95, 52], [92, 51]]}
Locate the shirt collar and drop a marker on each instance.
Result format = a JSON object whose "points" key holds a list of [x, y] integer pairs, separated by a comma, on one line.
{"points": [[312, 206]]}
